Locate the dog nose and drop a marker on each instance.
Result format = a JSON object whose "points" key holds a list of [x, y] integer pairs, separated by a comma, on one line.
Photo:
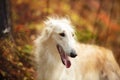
{"points": [[73, 54]]}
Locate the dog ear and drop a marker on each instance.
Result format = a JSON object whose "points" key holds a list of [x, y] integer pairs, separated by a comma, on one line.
{"points": [[46, 33]]}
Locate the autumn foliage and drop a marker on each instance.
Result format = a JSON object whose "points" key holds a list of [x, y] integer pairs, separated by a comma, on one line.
{"points": [[95, 23]]}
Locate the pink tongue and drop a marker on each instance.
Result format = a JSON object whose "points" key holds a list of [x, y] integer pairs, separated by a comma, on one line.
{"points": [[66, 62], [64, 57]]}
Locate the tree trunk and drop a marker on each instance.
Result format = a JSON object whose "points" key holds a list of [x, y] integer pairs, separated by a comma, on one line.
{"points": [[5, 21]]}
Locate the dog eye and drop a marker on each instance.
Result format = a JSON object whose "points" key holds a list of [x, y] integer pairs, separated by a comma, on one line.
{"points": [[62, 34], [73, 35]]}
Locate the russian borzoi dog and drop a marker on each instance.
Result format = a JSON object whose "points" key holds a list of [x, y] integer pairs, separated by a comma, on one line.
{"points": [[60, 57]]}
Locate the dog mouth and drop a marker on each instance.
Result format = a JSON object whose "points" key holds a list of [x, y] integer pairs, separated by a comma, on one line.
{"points": [[64, 57]]}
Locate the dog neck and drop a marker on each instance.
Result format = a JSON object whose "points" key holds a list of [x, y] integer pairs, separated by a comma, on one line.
{"points": [[50, 59]]}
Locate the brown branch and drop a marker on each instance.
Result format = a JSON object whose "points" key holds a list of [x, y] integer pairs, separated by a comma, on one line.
{"points": [[109, 21], [96, 18], [48, 6]]}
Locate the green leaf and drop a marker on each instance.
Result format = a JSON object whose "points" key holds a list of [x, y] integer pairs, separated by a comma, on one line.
{"points": [[27, 49]]}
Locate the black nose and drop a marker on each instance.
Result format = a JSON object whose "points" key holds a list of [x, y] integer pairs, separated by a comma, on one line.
{"points": [[73, 54]]}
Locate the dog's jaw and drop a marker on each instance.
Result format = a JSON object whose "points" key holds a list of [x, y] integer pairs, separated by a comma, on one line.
{"points": [[64, 57]]}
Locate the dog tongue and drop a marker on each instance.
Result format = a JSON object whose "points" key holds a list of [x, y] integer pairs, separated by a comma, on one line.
{"points": [[64, 57], [66, 62]]}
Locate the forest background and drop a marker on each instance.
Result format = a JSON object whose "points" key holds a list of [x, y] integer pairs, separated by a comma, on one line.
{"points": [[96, 22]]}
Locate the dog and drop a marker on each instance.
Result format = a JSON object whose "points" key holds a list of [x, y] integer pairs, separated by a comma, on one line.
{"points": [[59, 56]]}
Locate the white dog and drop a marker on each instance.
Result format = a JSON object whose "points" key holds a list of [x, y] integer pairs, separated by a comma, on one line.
{"points": [[60, 57]]}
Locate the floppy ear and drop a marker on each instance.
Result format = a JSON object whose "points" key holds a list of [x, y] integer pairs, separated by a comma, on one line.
{"points": [[47, 32]]}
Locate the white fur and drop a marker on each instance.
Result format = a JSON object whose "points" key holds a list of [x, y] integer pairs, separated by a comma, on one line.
{"points": [[92, 62]]}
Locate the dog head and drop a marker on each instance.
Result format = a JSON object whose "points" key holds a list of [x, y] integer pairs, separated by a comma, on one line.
{"points": [[61, 32]]}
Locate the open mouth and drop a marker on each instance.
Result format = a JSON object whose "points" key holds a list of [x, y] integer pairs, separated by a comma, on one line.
{"points": [[64, 57]]}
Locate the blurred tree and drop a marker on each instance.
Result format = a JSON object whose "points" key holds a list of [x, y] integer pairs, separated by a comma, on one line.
{"points": [[95, 23], [5, 23]]}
